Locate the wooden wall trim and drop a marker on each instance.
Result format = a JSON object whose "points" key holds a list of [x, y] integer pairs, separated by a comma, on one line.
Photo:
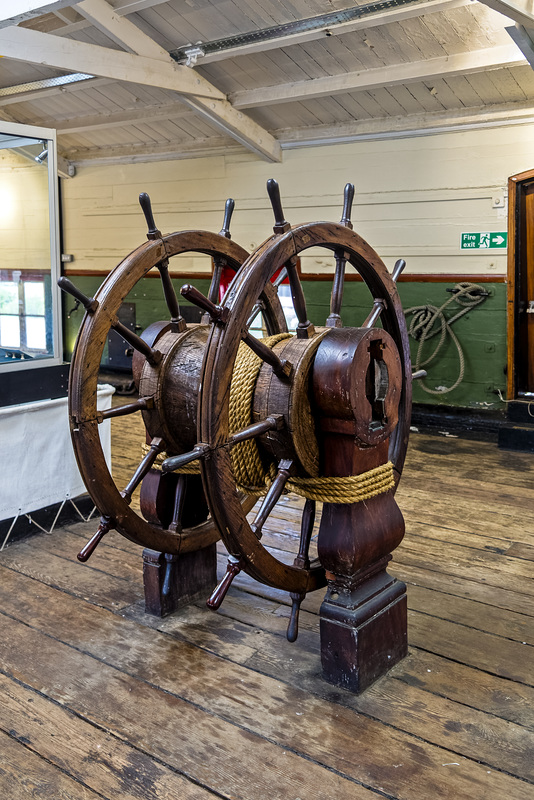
{"points": [[426, 277], [103, 273], [320, 276]]}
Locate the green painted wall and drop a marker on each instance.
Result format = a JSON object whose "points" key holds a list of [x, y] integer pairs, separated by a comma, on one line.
{"points": [[481, 332]]}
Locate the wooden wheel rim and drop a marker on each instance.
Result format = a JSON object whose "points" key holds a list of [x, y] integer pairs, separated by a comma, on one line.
{"points": [[83, 380], [221, 352]]}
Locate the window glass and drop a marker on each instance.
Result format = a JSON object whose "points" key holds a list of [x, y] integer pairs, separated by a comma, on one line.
{"points": [[34, 297], [9, 331], [35, 333], [9, 298]]}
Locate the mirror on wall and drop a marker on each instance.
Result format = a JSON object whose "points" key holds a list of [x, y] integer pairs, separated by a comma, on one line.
{"points": [[30, 334]]}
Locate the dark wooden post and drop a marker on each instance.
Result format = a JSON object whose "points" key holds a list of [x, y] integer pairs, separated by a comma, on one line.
{"points": [[171, 582], [190, 577], [363, 617]]}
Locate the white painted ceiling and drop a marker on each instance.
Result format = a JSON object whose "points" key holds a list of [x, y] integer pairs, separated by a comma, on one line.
{"points": [[400, 67]]}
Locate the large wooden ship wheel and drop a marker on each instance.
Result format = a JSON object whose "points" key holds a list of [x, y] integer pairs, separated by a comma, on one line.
{"points": [[379, 356], [167, 366]]}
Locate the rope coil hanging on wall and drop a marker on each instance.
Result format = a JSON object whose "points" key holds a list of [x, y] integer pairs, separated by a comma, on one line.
{"points": [[429, 321]]}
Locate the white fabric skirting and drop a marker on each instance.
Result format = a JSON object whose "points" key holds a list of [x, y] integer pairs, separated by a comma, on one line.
{"points": [[37, 461]]}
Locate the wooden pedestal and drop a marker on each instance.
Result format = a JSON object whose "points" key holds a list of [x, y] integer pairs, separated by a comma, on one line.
{"points": [[363, 628], [192, 577]]}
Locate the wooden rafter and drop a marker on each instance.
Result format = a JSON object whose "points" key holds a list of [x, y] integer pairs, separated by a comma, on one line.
{"points": [[153, 67], [521, 11]]}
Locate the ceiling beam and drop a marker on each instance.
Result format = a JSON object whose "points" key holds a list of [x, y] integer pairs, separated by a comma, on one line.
{"points": [[23, 44], [64, 168], [519, 10], [16, 11], [524, 39], [147, 153], [217, 112], [409, 125], [410, 72]]}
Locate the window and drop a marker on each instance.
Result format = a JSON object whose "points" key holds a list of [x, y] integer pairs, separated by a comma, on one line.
{"points": [[23, 316], [30, 329]]}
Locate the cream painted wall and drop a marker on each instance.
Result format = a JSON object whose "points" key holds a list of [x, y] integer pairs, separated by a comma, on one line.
{"points": [[414, 197], [24, 214]]}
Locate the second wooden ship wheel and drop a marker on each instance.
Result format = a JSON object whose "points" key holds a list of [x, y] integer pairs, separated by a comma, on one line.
{"points": [[324, 413], [167, 362]]}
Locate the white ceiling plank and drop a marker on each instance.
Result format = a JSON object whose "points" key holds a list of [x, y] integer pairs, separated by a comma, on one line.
{"points": [[429, 69], [368, 21], [120, 118], [23, 44], [16, 11], [519, 10], [49, 91], [218, 112], [120, 30]]}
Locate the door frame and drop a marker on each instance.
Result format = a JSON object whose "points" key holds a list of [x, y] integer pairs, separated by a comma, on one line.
{"points": [[515, 183]]}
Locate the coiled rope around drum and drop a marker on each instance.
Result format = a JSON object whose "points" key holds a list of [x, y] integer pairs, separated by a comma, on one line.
{"points": [[422, 327], [253, 476]]}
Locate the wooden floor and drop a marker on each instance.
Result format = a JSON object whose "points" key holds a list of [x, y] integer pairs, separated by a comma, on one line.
{"points": [[101, 701]]}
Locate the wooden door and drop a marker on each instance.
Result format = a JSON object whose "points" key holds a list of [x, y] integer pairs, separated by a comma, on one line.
{"points": [[521, 285]]}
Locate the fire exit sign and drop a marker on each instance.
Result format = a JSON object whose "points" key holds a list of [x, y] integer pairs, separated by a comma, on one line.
{"points": [[484, 241]]}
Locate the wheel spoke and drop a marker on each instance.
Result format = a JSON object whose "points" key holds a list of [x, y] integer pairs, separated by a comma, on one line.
{"points": [[293, 625], [233, 568], [273, 495], [215, 285], [281, 366], [217, 313], [152, 356], [334, 319], [153, 232], [379, 304], [218, 262], [258, 307], [299, 301], [170, 560], [274, 422], [175, 462], [129, 408], [306, 529], [348, 197], [87, 550], [378, 307], [282, 275], [156, 446], [89, 303], [179, 497], [282, 226], [177, 320]]}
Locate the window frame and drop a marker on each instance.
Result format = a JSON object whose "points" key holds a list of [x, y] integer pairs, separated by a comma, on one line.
{"points": [[56, 357]]}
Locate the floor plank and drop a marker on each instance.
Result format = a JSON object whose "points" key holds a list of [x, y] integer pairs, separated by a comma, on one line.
{"points": [[101, 700]]}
